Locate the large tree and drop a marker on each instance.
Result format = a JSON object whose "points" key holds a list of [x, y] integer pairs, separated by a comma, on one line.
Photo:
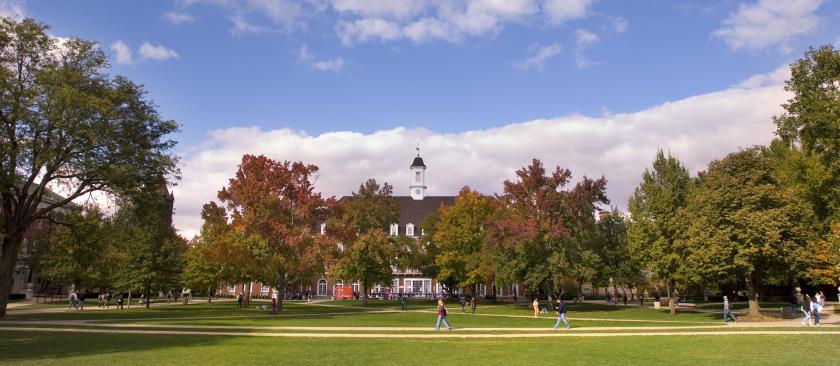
{"points": [[463, 258], [214, 256], [812, 115], [746, 227], [654, 225], [616, 262], [274, 208], [66, 124], [368, 255], [153, 257]]}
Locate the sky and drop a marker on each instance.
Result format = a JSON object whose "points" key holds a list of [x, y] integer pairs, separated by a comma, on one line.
{"points": [[484, 86]]}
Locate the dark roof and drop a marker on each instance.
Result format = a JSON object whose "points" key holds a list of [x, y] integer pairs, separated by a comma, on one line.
{"points": [[415, 211], [418, 161]]}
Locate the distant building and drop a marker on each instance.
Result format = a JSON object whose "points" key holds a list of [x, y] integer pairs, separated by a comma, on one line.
{"points": [[413, 211]]}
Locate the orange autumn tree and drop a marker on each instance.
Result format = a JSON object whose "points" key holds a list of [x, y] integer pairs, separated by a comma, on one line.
{"points": [[274, 209]]}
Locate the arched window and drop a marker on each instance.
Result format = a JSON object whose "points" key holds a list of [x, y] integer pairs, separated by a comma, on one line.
{"points": [[322, 287], [323, 229], [409, 230], [395, 229]]}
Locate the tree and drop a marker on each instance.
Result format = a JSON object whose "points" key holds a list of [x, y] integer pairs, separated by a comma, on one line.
{"points": [[746, 226], [77, 253], [462, 258], [580, 248], [153, 251], [812, 116], [617, 262], [274, 210], [654, 225], [370, 260], [65, 123], [533, 235], [371, 256], [210, 259]]}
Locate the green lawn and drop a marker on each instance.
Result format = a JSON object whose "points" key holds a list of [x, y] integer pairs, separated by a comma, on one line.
{"points": [[93, 349]]}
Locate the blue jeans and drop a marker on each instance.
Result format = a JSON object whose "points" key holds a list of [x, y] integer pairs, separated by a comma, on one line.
{"points": [[442, 318], [561, 318], [727, 314], [816, 316]]}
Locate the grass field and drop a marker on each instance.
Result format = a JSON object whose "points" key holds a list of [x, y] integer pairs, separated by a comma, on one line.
{"points": [[219, 333]]}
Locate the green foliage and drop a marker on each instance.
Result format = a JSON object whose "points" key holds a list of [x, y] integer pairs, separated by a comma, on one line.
{"points": [[654, 221], [613, 249], [79, 253], [745, 224], [371, 208], [370, 260], [64, 122], [459, 237], [812, 115], [151, 250]]}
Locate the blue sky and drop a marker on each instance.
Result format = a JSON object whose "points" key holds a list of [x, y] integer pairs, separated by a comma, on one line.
{"points": [[596, 86], [224, 78]]}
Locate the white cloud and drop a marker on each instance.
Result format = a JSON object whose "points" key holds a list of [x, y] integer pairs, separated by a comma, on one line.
{"points": [[620, 24], [305, 57], [176, 18], [122, 53], [537, 61], [419, 21], [620, 146], [769, 23], [366, 29], [560, 11], [584, 38], [156, 52], [13, 9], [775, 77]]}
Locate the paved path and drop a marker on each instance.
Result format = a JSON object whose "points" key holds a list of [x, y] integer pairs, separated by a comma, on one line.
{"points": [[442, 334]]}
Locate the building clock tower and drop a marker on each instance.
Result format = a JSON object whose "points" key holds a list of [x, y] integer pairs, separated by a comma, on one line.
{"points": [[418, 177]]}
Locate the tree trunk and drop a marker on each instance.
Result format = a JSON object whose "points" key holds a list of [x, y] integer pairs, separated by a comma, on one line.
{"points": [[752, 293], [148, 292], [580, 291], [246, 300], [281, 291], [672, 302], [129, 300], [364, 293], [8, 257], [209, 295]]}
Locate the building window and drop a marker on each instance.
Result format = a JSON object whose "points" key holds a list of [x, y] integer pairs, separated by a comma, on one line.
{"points": [[231, 288], [322, 287], [481, 289], [355, 287], [417, 191], [409, 230], [323, 229], [586, 291], [417, 177], [395, 229], [264, 289]]}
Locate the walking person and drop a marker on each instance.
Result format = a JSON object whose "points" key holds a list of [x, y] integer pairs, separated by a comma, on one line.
{"points": [[403, 306], [727, 311], [462, 300], [442, 316], [273, 306], [816, 308], [536, 305], [239, 301], [624, 298], [82, 300], [74, 298], [120, 302], [473, 304], [806, 308], [561, 315]]}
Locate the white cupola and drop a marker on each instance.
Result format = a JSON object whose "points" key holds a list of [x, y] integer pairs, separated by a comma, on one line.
{"points": [[418, 177]]}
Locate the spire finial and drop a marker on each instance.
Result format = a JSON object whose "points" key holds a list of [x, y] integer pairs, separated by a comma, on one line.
{"points": [[418, 148]]}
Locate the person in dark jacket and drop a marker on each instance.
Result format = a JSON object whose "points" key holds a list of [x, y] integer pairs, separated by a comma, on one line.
{"points": [[561, 314]]}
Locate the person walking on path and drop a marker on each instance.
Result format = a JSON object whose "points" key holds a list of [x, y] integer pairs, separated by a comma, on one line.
{"points": [[441, 316], [822, 299], [806, 308], [473, 304], [239, 301], [816, 308], [462, 300], [624, 298], [561, 315], [74, 298], [402, 303], [536, 305], [727, 311], [82, 301], [120, 302], [273, 306]]}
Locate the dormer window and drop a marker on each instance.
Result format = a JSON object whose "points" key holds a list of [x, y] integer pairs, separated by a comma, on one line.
{"points": [[395, 230], [323, 229], [409, 230]]}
